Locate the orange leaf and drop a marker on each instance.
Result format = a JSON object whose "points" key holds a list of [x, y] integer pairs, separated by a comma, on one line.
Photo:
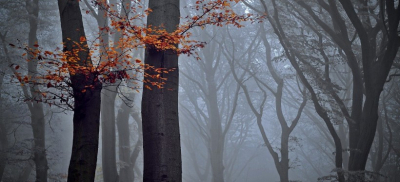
{"points": [[82, 38]]}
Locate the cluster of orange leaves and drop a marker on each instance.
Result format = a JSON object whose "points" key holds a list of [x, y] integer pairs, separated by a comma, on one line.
{"points": [[116, 62]]}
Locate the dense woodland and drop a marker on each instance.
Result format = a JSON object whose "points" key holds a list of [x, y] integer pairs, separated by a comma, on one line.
{"points": [[207, 90]]}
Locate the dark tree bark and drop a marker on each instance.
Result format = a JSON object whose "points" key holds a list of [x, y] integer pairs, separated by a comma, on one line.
{"points": [[376, 65], [108, 115], [161, 137], [86, 93], [379, 45]]}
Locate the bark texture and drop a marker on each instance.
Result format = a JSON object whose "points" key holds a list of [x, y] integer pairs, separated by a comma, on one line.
{"points": [[161, 137], [87, 103]]}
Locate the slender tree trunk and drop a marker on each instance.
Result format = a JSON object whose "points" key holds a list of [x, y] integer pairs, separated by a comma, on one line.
{"points": [[109, 160], [126, 170], [3, 135], [284, 163], [38, 123], [108, 150], [139, 144], [87, 100], [217, 141], [319, 109], [26, 171], [3, 146], [343, 139], [161, 137], [37, 114]]}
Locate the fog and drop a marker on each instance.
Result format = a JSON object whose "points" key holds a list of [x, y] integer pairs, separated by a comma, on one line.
{"points": [[276, 91]]}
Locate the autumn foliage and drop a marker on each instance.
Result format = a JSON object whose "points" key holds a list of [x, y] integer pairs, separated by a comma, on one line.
{"points": [[116, 65]]}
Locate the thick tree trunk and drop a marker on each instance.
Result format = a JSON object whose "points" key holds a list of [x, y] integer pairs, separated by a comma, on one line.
{"points": [[376, 65], [86, 135], [367, 134], [87, 99], [161, 137], [37, 114]]}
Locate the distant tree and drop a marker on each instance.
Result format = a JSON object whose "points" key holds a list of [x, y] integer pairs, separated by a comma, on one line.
{"points": [[211, 108], [31, 91], [281, 158], [369, 45], [36, 108]]}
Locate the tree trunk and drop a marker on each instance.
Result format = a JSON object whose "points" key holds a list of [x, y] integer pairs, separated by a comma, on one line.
{"points": [[108, 96], [217, 141], [343, 140], [161, 137], [139, 144], [26, 171], [126, 170], [38, 127], [36, 109], [367, 134], [3, 135], [376, 65], [3, 146], [284, 163], [109, 160], [86, 93]]}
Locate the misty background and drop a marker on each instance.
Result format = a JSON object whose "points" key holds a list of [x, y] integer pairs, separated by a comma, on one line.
{"points": [[245, 114]]}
